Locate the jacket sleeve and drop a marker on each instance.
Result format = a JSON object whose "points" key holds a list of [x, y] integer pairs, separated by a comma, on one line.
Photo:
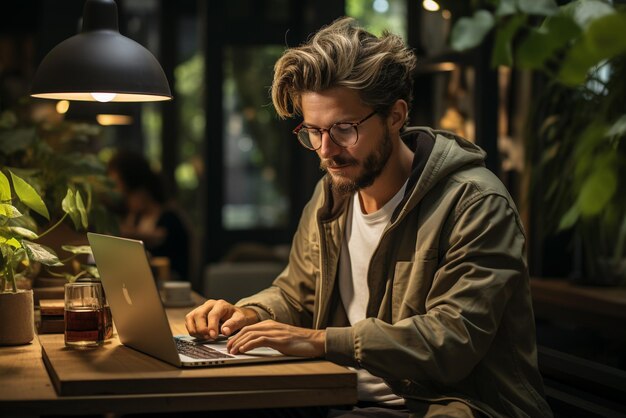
{"points": [[482, 264], [291, 297]]}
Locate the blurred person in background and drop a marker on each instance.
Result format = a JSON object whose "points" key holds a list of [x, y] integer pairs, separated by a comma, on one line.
{"points": [[148, 214]]}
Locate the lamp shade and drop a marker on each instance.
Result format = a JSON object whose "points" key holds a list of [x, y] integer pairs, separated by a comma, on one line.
{"points": [[99, 64]]}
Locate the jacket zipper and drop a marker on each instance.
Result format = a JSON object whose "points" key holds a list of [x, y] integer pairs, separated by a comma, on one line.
{"points": [[323, 272]]}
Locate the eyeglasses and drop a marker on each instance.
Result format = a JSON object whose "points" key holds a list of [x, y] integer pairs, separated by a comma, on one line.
{"points": [[344, 134]]}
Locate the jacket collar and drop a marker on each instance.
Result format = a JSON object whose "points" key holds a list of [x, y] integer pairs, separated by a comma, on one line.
{"points": [[437, 154], [421, 142]]}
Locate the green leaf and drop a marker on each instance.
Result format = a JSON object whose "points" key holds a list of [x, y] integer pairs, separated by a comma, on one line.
{"points": [[570, 218], [24, 232], [538, 7], [89, 189], [502, 52], [603, 39], [91, 270], [25, 222], [9, 211], [11, 242], [606, 36], [80, 206], [589, 139], [597, 191], [582, 168], [505, 8], [77, 249], [41, 254], [75, 277], [29, 196], [5, 188], [586, 11], [542, 43], [576, 65], [69, 206], [469, 32], [618, 128]]}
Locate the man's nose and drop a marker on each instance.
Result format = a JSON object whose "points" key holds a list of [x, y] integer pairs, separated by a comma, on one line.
{"points": [[328, 148]]}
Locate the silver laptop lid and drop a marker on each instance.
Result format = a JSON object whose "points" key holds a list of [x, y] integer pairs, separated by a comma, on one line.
{"points": [[133, 296]]}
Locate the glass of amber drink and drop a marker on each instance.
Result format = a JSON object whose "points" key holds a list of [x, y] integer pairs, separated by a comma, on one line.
{"points": [[84, 314]]}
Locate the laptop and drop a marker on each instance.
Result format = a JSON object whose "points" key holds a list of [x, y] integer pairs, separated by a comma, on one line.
{"points": [[139, 315]]}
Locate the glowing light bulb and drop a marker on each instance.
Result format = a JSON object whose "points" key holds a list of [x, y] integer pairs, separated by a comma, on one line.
{"points": [[430, 5], [103, 97], [106, 119], [62, 106]]}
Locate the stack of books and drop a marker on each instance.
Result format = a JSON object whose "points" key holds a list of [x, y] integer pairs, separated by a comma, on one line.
{"points": [[51, 316]]}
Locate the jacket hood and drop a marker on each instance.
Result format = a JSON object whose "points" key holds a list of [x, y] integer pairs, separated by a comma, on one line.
{"points": [[438, 154]]}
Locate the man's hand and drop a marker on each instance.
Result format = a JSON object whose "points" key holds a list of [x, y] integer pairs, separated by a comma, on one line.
{"points": [[204, 321], [285, 338]]}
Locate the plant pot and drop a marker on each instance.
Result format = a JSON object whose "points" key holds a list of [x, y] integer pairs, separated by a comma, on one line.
{"points": [[17, 318]]}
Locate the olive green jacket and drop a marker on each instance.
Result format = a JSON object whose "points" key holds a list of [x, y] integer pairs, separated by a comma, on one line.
{"points": [[449, 316]]}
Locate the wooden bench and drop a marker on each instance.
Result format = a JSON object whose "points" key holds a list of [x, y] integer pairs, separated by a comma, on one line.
{"points": [[576, 387]]}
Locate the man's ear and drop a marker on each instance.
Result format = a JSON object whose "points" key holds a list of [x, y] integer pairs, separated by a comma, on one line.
{"points": [[398, 115]]}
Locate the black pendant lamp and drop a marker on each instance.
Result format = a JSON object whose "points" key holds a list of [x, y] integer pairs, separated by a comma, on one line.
{"points": [[99, 64]]}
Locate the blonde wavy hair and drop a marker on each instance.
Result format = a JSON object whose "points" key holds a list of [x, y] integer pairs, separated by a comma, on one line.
{"points": [[344, 54]]}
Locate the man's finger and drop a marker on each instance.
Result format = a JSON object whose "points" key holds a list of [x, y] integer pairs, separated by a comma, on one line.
{"points": [[194, 327], [246, 340], [221, 310], [234, 324], [190, 324]]}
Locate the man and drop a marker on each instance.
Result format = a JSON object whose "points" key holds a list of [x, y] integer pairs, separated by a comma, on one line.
{"points": [[408, 262]]}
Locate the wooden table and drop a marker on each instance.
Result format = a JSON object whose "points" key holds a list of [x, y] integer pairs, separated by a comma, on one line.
{"points": [[27, 389]]}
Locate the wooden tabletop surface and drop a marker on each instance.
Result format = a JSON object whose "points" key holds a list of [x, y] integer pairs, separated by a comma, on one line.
{"points": [[152, 386]]}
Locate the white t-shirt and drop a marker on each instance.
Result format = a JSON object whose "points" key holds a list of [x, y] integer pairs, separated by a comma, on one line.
{"points": [[362, 235]]}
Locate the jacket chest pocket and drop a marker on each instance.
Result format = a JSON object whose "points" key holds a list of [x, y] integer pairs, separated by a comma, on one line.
{"points": [[411, 283]]}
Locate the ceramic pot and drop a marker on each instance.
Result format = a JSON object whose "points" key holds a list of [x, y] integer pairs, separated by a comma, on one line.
{"points": [[17, 318]]}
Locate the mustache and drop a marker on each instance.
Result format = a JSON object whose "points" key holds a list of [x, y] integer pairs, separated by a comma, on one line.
{"points": [[336, 162]]}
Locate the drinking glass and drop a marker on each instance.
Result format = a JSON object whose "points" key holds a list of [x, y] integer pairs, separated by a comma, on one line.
{"points": [[84, 314]]}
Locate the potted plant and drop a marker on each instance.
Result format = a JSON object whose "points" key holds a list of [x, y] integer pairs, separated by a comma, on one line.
{"points": [[577, 125], [52, 154], [19, 250]]}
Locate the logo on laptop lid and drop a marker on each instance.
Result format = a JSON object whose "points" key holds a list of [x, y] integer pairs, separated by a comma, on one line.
{"points": [[126, 294]]}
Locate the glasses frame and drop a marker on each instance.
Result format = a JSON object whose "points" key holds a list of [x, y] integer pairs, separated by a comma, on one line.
{"points": [[355, 125]]}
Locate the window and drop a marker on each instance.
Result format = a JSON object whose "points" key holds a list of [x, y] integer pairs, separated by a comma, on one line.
{"points": [[256, 179], [379, 15]]}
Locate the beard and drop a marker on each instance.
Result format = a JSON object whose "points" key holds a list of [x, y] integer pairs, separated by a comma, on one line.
{"points": [[372, 166]]}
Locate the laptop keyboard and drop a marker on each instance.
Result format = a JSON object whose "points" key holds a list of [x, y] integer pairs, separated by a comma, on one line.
{"points": [[198, 351]]}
